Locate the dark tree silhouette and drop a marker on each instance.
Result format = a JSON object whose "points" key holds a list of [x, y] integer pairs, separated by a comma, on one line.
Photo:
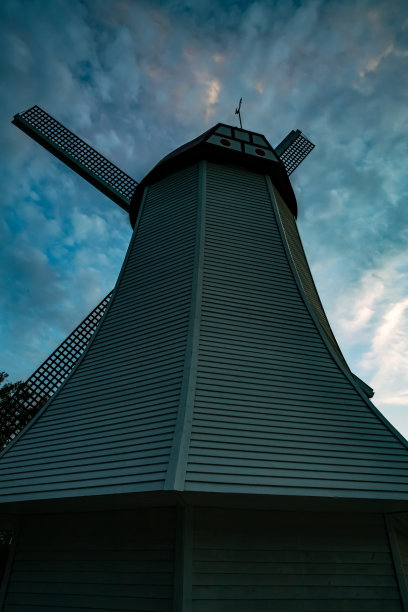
{"points": [[18, 405]]}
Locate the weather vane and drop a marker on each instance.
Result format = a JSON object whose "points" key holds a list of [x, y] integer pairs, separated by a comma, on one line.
{"points": [[238, 112]]}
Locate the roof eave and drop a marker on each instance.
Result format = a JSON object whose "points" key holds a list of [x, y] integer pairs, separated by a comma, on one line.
{"points": [[198, 150]]}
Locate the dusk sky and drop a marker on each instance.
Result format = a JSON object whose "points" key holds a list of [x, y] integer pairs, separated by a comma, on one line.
{"points": [[136, 79]]}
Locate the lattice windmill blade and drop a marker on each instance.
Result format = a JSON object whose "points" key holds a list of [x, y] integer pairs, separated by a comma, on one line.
{"points": [[46, 379], [293, 149], [116, 185], [78, 155]]}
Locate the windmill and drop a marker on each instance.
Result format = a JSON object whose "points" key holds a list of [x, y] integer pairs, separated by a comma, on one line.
{"points": [[211, 449], [119, 187]]}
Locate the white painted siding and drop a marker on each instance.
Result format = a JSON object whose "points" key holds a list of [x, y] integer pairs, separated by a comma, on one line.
{"points": [[274, 412], [110, 428], [97, 561], [253, 561], [261, 403], [303, 270]]}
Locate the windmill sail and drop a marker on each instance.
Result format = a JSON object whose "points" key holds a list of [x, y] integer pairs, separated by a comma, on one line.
{"points": [[293, 149], [78, 155], [43, 383]]}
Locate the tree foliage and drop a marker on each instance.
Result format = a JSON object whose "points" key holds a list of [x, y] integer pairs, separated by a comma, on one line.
{"points": [[18, 405]]}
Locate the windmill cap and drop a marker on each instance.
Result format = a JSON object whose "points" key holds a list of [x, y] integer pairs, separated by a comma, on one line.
{"points": [[223, 144]]}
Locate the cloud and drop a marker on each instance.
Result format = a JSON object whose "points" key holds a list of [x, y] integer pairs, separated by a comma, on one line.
{"points": [[371, 323], [87, 227]]}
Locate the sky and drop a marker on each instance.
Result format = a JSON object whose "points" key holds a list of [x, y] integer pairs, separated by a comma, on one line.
{"points": [[136, 79]]}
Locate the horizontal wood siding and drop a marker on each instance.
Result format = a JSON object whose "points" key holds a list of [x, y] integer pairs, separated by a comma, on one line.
{"points": [[303, 270], [110, 428], [253, 561], [113, 561], [274, 412], [402, 542]]}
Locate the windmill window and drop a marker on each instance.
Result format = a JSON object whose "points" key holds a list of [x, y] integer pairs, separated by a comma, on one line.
{"points": [[224, 130], [259, 140]]}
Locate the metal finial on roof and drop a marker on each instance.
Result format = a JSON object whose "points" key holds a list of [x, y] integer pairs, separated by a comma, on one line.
{"points": [[238, 112]]}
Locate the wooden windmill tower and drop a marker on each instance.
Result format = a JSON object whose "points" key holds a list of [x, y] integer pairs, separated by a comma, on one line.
{"points": [[210, 450]]}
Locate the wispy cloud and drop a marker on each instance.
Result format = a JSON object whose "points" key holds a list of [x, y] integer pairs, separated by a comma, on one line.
{"points": [[371, 324]]}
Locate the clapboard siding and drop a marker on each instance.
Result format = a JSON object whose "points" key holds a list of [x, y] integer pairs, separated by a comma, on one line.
{"points": [[112, 561], [266, 380], [303, 270], [209, 370], [401, 534], [111, 426], [290, 562]]}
